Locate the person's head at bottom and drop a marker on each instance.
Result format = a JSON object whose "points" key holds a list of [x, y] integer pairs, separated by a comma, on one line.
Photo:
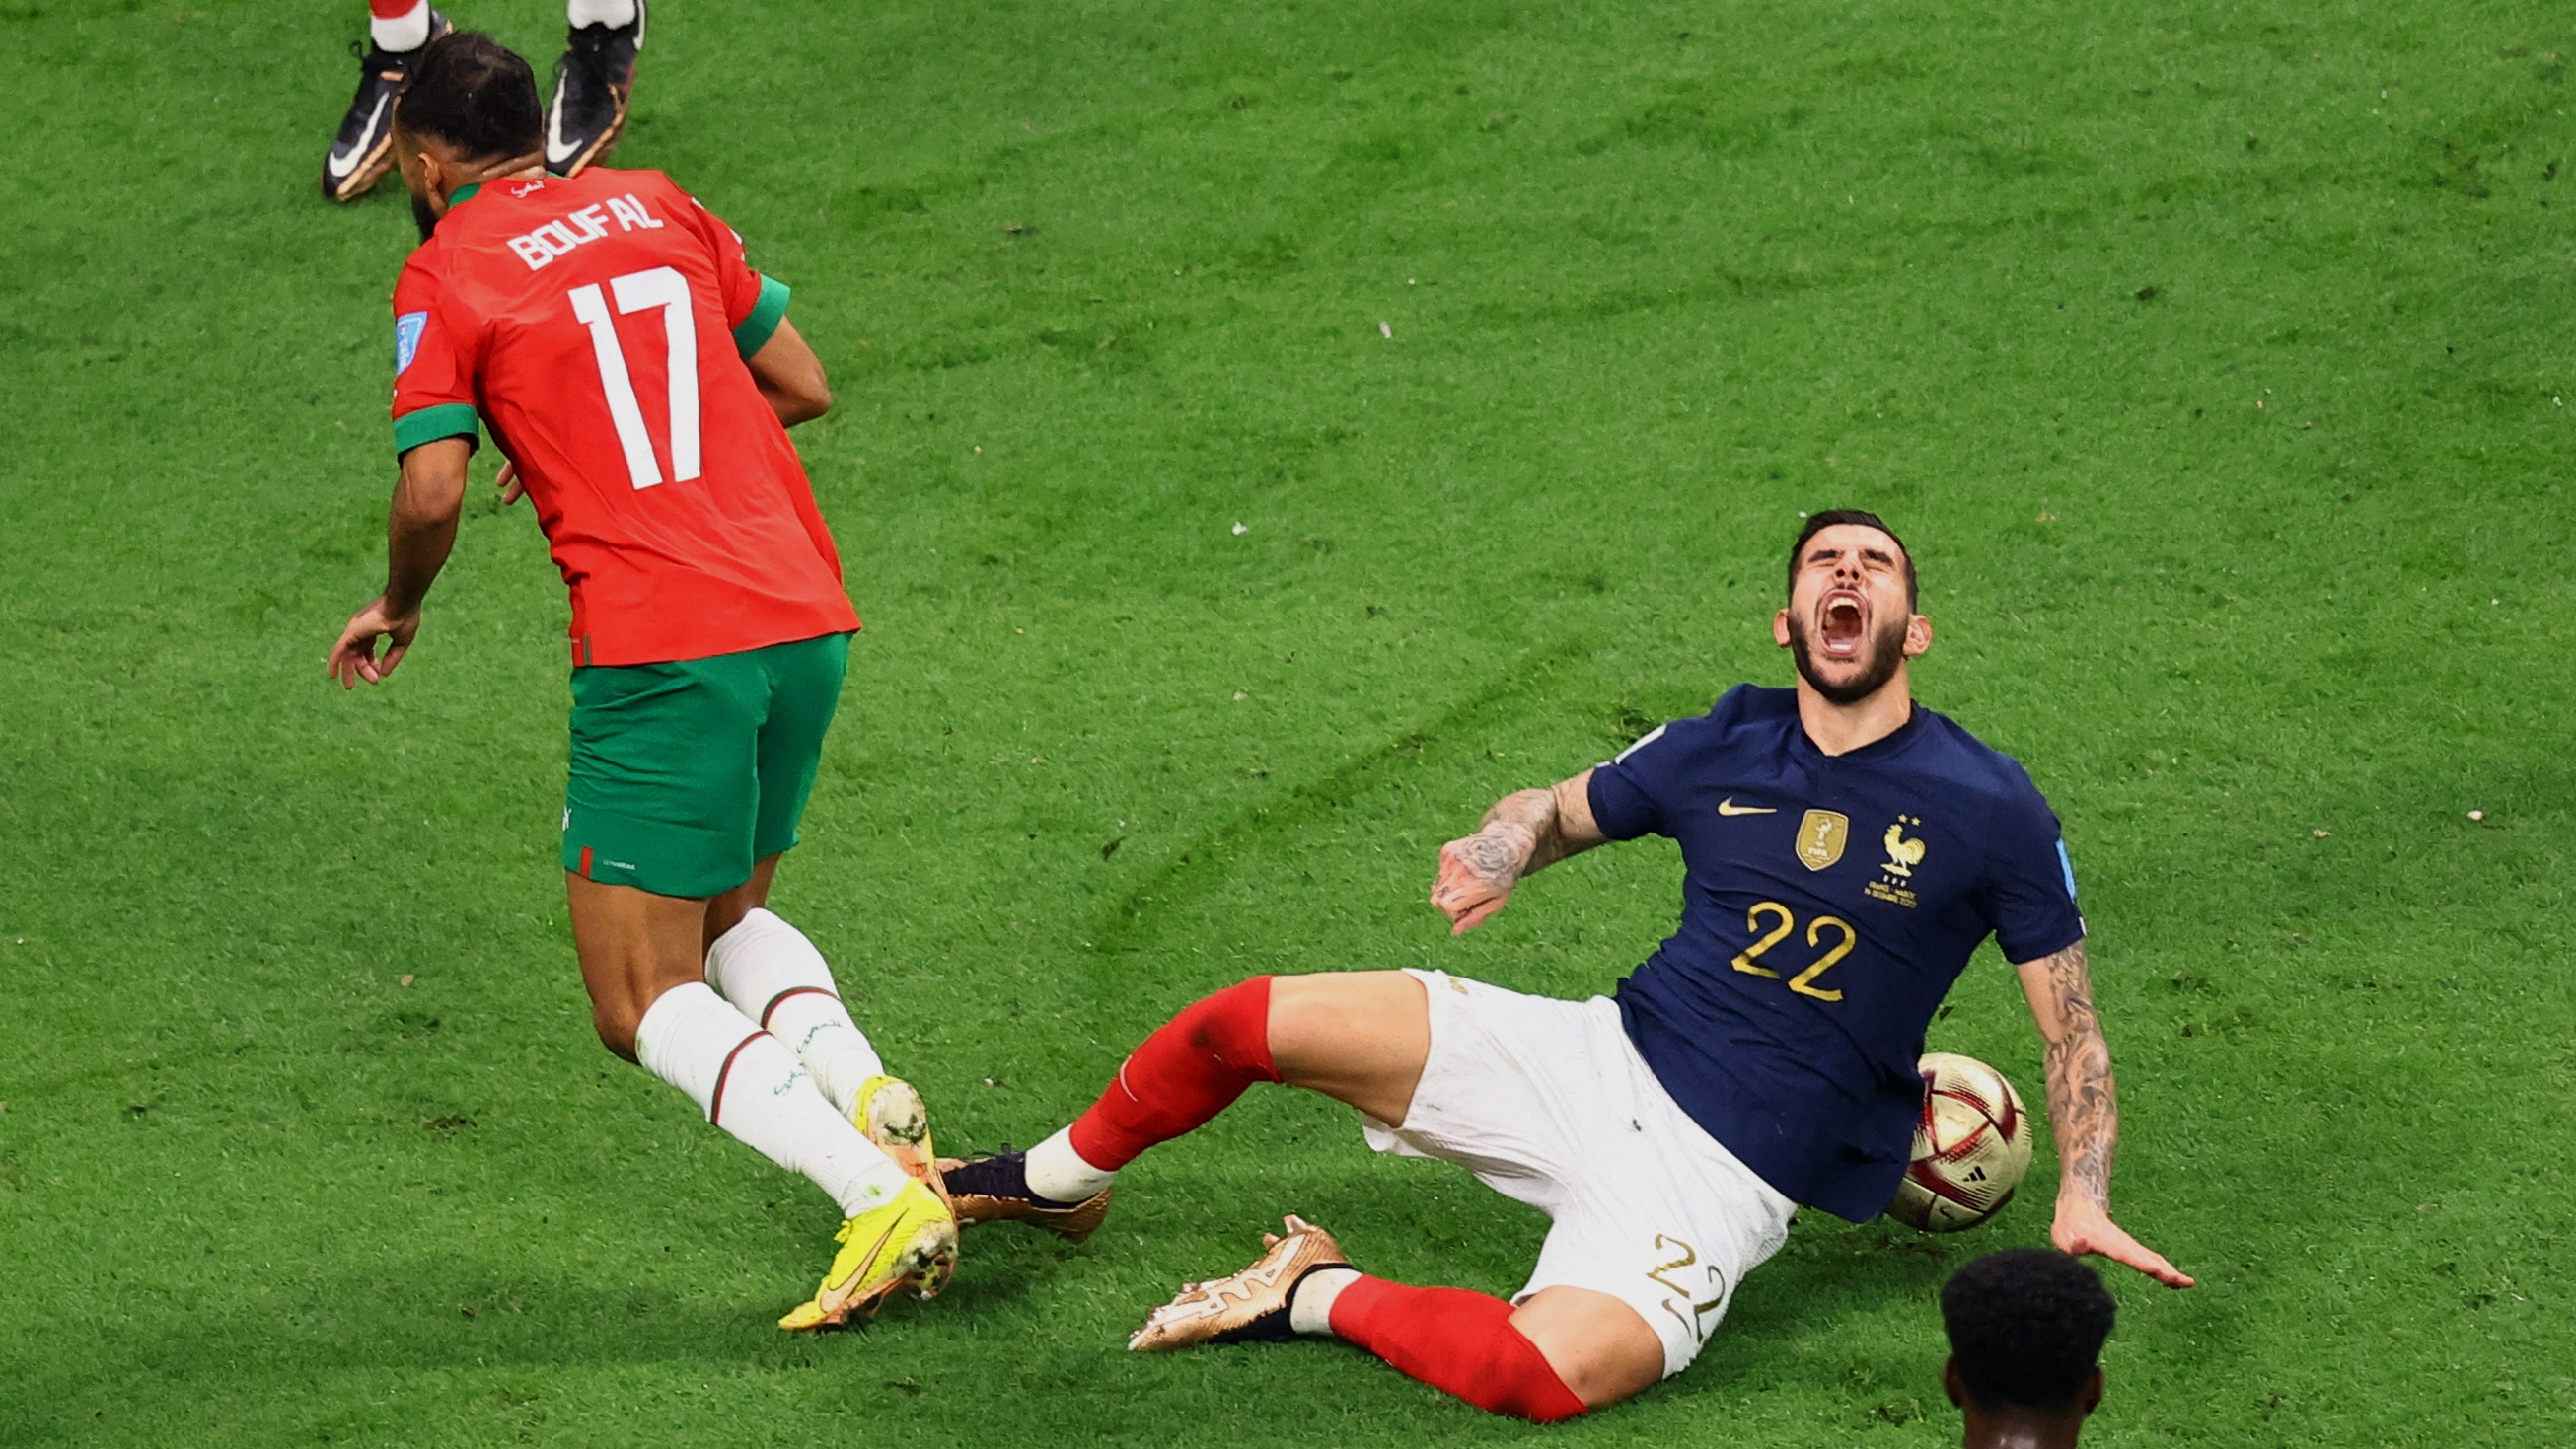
{"points": [[2026, 1331]]}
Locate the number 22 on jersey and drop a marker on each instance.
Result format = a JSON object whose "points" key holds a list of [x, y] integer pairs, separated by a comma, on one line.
{"points": [[1804, 983], [665, 288]]}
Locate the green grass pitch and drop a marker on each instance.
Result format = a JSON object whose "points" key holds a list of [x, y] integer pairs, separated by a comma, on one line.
{"points": [[2211, 355]]}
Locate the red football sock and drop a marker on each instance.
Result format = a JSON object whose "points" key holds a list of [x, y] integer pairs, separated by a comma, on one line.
{"points": [[1456, 1341], [1190, 1069]]}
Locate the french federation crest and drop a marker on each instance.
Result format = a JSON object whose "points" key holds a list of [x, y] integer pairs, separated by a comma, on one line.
{"points": [[407, 330], [1903, 854], [1821, 836]]}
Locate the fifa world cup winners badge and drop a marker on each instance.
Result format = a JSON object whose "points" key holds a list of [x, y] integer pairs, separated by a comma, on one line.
{"points": [[1896, 873], [1821, 835]]}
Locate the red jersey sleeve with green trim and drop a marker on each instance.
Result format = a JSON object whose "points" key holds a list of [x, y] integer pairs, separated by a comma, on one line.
{"points": [[433, 374], [592, 323]]}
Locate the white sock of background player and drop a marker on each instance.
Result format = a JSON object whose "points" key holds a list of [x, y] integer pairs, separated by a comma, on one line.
{"points": [[396, 28], [615, 14], [748, 1083], [773, 975]]}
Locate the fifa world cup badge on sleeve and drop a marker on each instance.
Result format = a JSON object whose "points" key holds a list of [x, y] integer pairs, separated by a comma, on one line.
{"points": [[407, 330]]}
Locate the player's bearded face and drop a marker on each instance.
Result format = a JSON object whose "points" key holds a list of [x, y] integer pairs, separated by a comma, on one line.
{"points": [[1842, 653], [1850, 615]]}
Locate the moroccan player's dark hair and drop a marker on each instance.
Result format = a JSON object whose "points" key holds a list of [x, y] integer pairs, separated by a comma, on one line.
{"points": [[475, 94], [2026, 1327], [1817, 522]]}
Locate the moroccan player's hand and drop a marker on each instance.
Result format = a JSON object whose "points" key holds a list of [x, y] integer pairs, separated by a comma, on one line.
{"points": [[512, 490], [2083, 1228], [1477, 874], [354, 657]]}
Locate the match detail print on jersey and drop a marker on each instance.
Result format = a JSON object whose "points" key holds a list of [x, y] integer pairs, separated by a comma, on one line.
{"points": [[641, 292]]}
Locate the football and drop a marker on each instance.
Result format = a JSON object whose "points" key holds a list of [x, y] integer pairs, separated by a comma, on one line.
{"points": [[1971, 1146]]}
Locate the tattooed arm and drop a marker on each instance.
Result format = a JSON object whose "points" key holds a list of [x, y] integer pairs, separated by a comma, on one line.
{"points": [[2083, 1113], [1524, 832]]}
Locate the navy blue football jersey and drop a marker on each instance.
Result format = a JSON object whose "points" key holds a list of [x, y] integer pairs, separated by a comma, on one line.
{"points": [[1828, 902]]}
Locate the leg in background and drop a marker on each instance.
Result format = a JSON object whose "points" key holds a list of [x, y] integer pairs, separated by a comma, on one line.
{"points": [[396, 26]]}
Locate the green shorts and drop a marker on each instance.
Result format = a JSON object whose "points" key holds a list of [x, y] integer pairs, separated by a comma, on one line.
{"points": [[684, 774]]}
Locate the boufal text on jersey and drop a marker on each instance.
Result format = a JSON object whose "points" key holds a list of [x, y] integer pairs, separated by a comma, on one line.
{"points": [[558, 237]]}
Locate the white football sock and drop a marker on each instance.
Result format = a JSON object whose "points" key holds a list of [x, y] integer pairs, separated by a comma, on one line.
{"points": [[407, 31], [773, 975], [749, 1084], [1310, 1304], [614, 14], [1055, 1171]]}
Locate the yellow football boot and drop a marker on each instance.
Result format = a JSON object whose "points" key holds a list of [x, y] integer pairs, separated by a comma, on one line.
{"points": [[911, 1242], [893, 1115]]}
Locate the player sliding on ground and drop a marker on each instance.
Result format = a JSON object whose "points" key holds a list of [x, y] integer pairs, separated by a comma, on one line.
{"points": [[1844, 852], [641, 377]]}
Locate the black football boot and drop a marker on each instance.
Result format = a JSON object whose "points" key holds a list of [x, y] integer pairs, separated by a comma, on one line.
{"points": [[591, 86], [364, 150]]}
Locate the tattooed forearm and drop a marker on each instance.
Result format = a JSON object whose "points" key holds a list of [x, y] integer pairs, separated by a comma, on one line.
{"points": [[2083, 1103]]}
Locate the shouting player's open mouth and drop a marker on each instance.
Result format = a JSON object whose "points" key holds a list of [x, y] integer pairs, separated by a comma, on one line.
{"points": [[1842, 624]]}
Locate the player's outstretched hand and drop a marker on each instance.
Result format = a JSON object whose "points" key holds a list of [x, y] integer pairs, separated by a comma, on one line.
{"points": [[507, 480], [354, 657], [2083, 1228], [1477, 874]]}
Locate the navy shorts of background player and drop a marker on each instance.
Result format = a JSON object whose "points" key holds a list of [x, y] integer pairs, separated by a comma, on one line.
{"points": [[1829, 901]]}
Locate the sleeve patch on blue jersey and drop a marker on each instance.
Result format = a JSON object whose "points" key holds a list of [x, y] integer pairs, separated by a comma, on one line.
{"points": [[2068, 866], [407, 330]]}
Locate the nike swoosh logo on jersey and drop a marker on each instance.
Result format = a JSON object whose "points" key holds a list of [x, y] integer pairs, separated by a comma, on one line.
{"points": [[341, 161], [557, 152], [1728, 806]]}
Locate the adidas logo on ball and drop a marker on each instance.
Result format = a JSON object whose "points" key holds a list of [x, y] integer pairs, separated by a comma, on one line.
{"points": [[1971, 1146]]}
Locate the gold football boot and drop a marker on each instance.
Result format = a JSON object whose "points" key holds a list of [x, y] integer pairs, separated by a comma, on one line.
{"points": [[995, 1190], [1250, 1306]]}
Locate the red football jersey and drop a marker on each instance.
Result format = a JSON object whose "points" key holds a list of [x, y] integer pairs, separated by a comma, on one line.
{"points": [[598, 327]]}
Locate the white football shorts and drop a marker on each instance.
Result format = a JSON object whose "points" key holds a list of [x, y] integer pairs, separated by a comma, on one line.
{"points": [[1549, 1104]]}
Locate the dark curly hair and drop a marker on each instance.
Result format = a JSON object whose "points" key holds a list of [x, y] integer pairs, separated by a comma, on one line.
{"points": [[475, 94], [2026, 1327], [1818, 522]]}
